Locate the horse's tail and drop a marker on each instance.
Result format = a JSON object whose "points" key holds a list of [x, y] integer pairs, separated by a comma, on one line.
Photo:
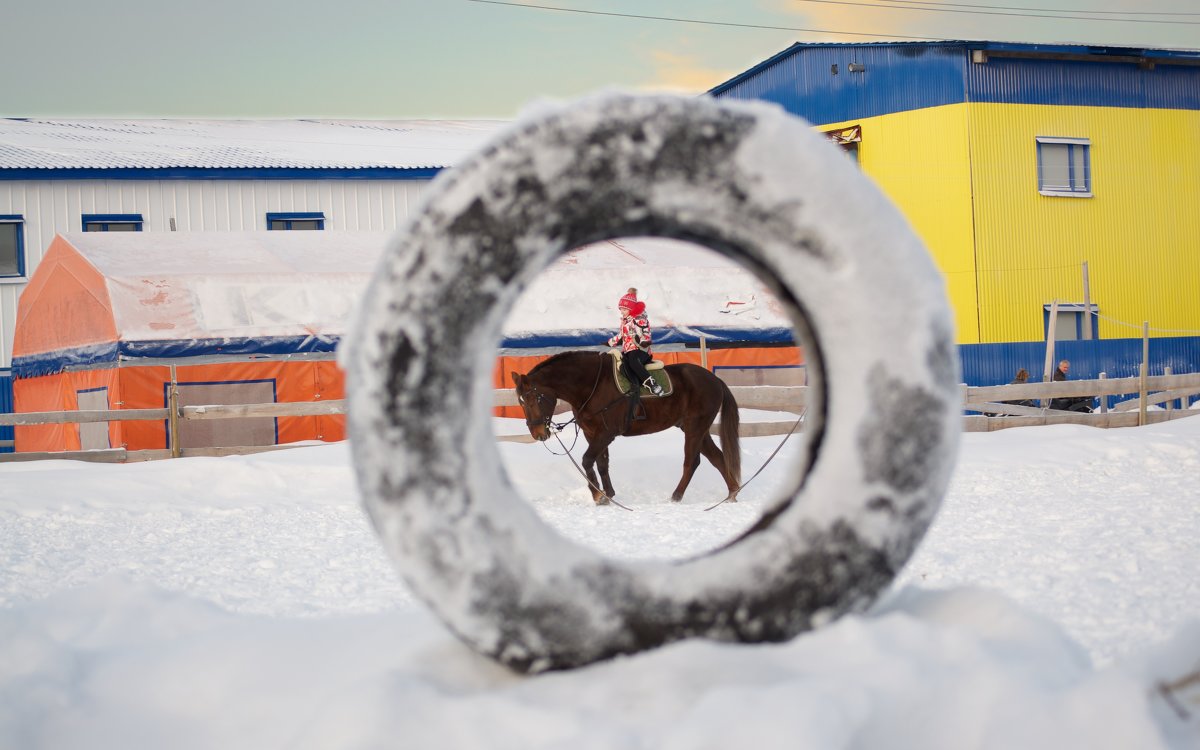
{"points": [[729, 434]]}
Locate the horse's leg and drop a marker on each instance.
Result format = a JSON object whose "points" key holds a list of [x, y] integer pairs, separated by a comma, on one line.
{"points": [[589, 462], [691, 460], [602, 465], [715, 457]]}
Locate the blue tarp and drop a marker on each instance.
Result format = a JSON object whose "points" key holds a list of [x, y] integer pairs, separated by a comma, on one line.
{"points": [[104, 354]]}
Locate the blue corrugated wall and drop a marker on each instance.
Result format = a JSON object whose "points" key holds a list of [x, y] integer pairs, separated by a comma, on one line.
{"points": [[995, 364], [6, 406]]}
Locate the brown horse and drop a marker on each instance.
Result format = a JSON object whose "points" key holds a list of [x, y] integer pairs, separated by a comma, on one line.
{"points": [[585, 381]]}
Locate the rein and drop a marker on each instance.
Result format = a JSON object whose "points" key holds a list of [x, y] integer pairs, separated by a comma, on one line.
{"points": [[557, 427], [579, 468], [595, 386], [773, 454]]}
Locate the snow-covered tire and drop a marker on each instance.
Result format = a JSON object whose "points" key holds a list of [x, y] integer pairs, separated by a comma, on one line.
{"points": [[744, 179]]}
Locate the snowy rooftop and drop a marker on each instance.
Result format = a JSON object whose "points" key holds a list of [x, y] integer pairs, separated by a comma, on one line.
{"points": [[256, 285], [238, 144]]}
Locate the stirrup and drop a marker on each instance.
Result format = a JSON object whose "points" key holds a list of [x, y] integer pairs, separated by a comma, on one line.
{"points": [[654, 387]]}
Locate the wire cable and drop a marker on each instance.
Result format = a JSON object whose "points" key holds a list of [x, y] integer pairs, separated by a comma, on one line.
{"points": [[1045, 10], [998, 13], [705, 23]]}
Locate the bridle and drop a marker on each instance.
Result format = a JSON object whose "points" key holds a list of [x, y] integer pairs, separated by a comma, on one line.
{"points": [[538, 396]]}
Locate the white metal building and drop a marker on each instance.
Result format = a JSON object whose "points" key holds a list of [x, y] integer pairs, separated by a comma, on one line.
{"points": [[73, 175]]}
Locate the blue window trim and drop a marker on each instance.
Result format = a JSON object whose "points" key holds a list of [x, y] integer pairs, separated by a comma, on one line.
{"points": [[106, 219], [1080, 184], [19, 220], [290, 216]]}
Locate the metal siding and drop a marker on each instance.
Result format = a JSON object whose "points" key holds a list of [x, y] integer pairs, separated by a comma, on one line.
{"points": [[1088, 84], [996, 364], [1139, 233], [897, 78], [53, 206], [919, 159]]}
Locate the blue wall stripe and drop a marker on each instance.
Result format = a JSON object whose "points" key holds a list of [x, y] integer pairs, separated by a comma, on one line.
{"points": [[201, 173], [996, 364]]}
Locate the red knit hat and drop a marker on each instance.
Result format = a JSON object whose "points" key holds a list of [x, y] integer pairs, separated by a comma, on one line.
{"points": [[637, 308], [628, 301]]}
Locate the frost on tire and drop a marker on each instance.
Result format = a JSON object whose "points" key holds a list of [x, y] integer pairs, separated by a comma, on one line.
{"points": [[743, 179]]}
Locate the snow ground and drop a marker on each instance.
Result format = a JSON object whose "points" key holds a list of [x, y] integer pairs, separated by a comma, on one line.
{"points": [[245, 602]]}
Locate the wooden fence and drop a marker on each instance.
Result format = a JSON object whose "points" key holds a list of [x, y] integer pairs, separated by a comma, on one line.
{"points": [[1171, 391]]}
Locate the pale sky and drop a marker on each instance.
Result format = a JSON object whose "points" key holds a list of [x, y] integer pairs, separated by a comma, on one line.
{"points": [[473, 59]]}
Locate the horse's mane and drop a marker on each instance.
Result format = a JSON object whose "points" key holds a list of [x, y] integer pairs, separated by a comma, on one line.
{"points": [[554, 359]]}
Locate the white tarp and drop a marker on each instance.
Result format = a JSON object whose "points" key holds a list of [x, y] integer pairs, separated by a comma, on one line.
{"points": [[301, 283]]}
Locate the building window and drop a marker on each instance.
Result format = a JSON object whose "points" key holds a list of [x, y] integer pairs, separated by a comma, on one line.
{"points": [[311, 220], [1064, 166], [12, 247], [112, 222]]}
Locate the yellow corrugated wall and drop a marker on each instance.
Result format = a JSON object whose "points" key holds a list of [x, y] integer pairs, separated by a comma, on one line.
{"points": [[920, 159], [1139, 232], [1009, 251]]}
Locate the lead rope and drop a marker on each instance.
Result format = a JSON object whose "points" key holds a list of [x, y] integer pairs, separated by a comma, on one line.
{"points": [[773, 454], [579, 468], [557, 427]]}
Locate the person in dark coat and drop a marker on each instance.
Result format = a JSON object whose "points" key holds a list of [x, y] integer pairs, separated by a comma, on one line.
{"points": [[1021, 377], [1069, 403]]}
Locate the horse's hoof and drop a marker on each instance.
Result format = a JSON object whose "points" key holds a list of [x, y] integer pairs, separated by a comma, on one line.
{"points": [[600, 500], [676, 498]]}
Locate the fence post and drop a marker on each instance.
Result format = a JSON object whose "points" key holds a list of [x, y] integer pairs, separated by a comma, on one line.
{"points": [[1142, 394], [703, 352], [1170, 403], [1051, 324], [173, 415], [1144, 372], [1104, 397]]}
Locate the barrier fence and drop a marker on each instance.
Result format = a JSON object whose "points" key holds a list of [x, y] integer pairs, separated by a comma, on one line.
{"points": [[1119, 402]]}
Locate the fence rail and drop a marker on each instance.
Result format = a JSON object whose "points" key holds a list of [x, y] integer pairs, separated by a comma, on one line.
{"points": [[984, 404]]}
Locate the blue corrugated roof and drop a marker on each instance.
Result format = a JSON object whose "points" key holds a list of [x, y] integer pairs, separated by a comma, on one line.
{"points": [[816, 82]]}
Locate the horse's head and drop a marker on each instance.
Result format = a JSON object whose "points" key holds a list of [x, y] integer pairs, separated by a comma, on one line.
{"points": [[538, 406]]}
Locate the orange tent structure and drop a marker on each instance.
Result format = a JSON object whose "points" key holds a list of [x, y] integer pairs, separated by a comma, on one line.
{"points": [[110, 319]]}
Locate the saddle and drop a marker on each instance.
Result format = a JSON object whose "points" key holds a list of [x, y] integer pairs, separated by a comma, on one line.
{"points": [[654, 369]]}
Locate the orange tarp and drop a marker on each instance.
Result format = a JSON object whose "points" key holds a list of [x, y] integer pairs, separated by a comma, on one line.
{"points": [[67, 288], [145, 387], [784, 356]]}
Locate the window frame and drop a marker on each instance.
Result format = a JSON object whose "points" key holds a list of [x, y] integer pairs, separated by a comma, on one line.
{"points": [[289, 216], [19, 221], [1079, 186], [106, 219]]}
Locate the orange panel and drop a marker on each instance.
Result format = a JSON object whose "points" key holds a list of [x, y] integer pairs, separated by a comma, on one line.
{"points": [[145, 388], [65, 305], [736, 357], [59, 393]]}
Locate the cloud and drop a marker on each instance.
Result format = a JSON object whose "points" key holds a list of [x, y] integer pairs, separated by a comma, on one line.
{"points": [[682, 73]]}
